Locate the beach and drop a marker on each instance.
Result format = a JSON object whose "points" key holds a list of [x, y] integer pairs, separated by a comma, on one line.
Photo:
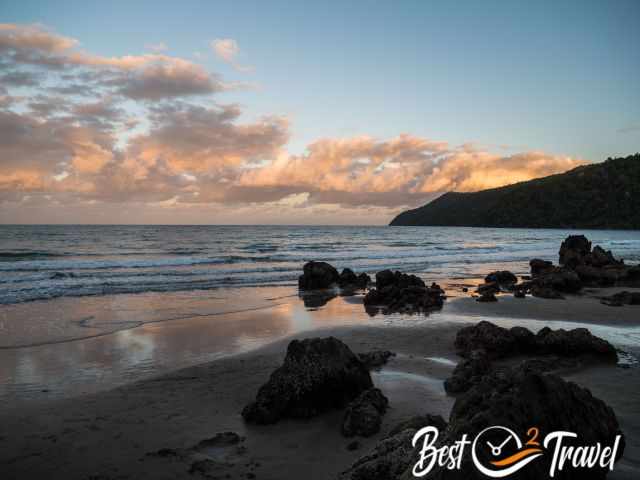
{"points": [[118, 433]]}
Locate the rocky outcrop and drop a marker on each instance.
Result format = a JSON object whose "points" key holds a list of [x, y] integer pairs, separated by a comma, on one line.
{"points": [[318, 374], [317, 275], [520, 398], [499, 342], [363, 415], [402, 293], [576, 250]]}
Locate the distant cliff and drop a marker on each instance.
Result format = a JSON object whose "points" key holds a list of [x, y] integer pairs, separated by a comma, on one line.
{"points": [[603, 195]]}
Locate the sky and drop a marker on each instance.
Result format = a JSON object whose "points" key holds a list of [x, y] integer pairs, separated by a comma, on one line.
{"points": [[302, 112]]}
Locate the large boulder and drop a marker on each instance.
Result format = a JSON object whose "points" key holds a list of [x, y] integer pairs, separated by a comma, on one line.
{"points": [[573, 250], [363, 415], [519, 399], [317, 275], [318, 374], [499, 342]]}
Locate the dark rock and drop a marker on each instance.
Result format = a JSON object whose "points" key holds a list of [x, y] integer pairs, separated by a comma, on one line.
{"points": [[499, 342], [318, 374], [540, 266], [573, 250], [488, 288], [520, 398], [494, 340], [622, 298], [317, 275], [560, 279], [393, 455], [397, 279], [501, 277], [468, 372], [363, 415], [519, 293], [600, 257], [389, 459], [375, 358], [578, 341], [399, 292], [348, 278], [524, 339]]}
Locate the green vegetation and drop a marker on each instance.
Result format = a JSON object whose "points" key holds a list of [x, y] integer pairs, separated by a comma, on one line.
{"points": [[604, 196]]}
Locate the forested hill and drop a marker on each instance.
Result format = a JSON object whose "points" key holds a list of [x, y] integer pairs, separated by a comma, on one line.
{"points": [[603, 195]]}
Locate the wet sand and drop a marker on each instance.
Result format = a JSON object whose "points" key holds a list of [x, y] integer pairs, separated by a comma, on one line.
{"points": [[117, 433]]}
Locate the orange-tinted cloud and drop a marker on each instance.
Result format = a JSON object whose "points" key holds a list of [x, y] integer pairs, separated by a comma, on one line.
{"points": [[115, 131]]}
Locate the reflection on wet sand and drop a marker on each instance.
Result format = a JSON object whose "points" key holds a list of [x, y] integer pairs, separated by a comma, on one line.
{"points": [[129, 337]]}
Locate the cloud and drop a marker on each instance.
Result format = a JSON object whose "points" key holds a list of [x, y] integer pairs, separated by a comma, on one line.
{"points": [[101, 134], [150, 76], [404, 170], [227, 49]]}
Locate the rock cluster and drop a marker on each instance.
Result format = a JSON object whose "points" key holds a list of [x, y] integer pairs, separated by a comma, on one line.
{"points": [[579, 266], [318, 374], [320, 275], [523, 397], [402, 293]]}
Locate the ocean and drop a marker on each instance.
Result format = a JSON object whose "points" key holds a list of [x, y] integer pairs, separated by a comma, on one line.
{"points": [[50, 261]]}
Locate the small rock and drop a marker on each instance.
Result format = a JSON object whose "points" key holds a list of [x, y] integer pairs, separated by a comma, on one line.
{"points": [[364, 415]]}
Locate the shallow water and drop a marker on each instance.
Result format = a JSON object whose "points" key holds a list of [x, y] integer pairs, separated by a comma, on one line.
{"points": [[43, 262]]}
